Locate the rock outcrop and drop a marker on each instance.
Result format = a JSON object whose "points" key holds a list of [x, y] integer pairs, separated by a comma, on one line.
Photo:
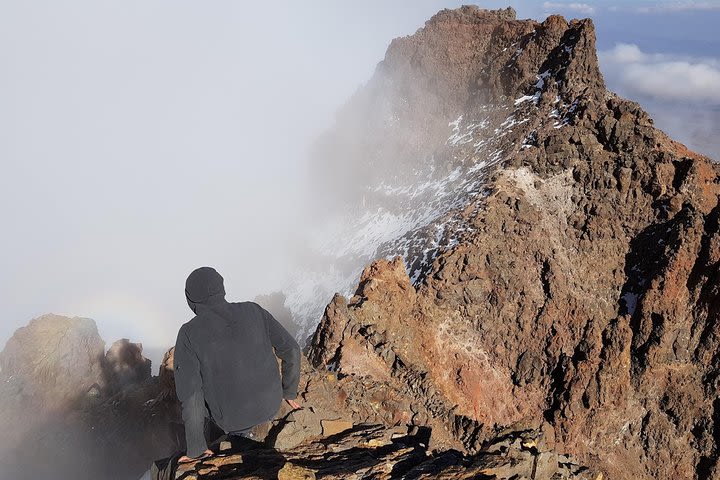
{"points": [[53, 361], [573, 290], [373, 451], [68, 409], [335, 438]]}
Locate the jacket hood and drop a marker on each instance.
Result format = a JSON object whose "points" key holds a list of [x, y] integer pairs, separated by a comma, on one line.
{"points": [[204, 286]]}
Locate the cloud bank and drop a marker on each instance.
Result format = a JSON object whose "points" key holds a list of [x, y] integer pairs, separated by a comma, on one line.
{"points": [[662, 76], [681, 93], [583, 8], [678, 7]]}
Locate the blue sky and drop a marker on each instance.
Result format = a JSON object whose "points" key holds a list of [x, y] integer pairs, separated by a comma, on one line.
{"points": [[665, 55], [140, 139]]}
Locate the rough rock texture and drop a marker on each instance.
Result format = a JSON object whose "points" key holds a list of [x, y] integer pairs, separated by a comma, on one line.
{"points": [[579, 295], [373, 451], [471, 91], [53, 361], [333, 438], [68, 409]]}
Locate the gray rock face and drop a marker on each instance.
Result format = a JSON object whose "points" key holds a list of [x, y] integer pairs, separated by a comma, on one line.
{"points": [[54, 361], [68, 409]]}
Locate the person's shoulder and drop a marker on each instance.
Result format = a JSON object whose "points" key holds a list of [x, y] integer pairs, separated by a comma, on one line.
{"points": [[249, 307], [247, 304], [189, 325]]}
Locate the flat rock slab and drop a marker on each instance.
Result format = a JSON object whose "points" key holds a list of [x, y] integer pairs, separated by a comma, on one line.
{"points": [[331, 427], [373, 451]]}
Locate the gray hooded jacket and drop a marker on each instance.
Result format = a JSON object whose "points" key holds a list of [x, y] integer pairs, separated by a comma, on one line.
{"points": [[224, 361]]}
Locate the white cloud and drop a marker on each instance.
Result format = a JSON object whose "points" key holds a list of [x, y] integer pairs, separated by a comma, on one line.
{"points": [[624, 53], [578, 7], [668, 77], [669, 7]]}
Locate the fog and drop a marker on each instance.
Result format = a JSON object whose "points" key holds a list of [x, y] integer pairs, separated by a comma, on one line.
{"points": [[140, 140]]}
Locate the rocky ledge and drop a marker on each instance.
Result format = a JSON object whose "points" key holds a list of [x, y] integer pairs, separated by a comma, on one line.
{"points": [[378, 452]]}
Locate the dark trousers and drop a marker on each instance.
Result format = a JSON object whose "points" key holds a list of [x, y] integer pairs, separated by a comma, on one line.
{"points": [[194, 411], [212, 433]]}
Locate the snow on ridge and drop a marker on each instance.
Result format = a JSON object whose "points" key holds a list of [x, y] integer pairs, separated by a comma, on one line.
{"points": [[458, 138], [541, 79], [418, 220], [535, 98], [419, 246], [539, 85], [563, 120]]}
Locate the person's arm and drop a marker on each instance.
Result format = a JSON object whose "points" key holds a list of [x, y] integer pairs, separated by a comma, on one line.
{"points": [[288, 350], [188, 385]]}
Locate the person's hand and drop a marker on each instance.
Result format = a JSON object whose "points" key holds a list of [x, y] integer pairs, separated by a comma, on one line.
{"points": [[186, 459], [293, 404]]}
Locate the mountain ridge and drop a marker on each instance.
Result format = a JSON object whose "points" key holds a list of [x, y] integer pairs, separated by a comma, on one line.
{"points": [[590, 220]]}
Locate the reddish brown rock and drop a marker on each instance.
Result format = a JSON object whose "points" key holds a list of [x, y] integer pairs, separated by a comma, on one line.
{"points": [[367, 451], [580, 298], [331, 427]]}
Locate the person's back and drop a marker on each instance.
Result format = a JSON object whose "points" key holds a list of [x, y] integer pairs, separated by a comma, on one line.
{"points": [[224, 358]]}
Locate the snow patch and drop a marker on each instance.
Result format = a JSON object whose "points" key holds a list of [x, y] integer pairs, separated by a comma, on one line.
{"points": [[459, 137], [541, 79], [535, 98]]}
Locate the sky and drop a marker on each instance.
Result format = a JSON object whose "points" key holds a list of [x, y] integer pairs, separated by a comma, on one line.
{"points": [[142, 139]]}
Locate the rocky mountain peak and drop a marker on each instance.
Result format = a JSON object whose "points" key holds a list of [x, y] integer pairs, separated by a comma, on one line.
{"points": [[471, 57], [471, 90], [559, 252]]}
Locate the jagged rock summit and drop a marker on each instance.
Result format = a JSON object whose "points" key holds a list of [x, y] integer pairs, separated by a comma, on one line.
{"points": [[569, 285], [472, 90]]}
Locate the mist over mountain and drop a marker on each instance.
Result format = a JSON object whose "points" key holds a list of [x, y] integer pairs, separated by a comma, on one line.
{"points": [[108, 157]]}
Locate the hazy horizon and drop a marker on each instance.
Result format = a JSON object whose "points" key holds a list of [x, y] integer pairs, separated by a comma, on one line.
{"points": [[142, 140]]}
